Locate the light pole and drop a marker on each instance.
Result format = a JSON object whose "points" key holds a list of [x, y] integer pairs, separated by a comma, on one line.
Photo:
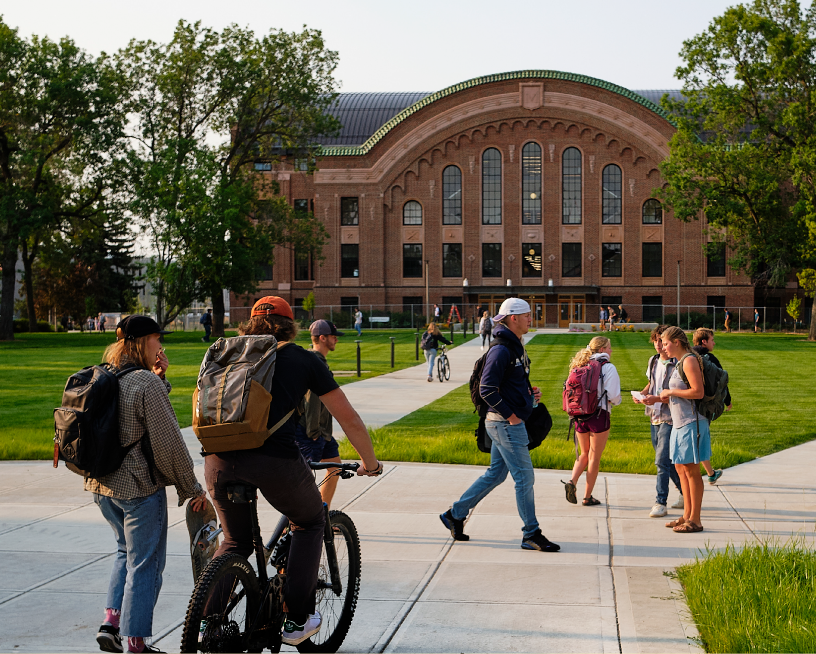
{"points": [[678, 292], [427, 297]]}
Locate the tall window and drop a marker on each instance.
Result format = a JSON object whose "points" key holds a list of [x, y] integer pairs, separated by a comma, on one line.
{"points": [[531, 260], [303, 265], [611, 260], [491, 187], [652, 212], [349, 213], [715, 260], [491, 259], [571, 260], [652, 308], [652, 260], [612, 180], [451, 259], [412, 213], [531, 184], [451, 196], [412, 259], [571, 187], [350, 260], [301, 206]]}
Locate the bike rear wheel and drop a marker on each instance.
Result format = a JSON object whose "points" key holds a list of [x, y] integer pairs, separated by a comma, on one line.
{"points": [[223, 605], [440, 368], [337, 611], [446, 371]]}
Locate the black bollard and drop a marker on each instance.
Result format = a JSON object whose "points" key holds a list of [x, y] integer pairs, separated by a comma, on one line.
{"points": [[417, 346], [392, 350], [451, 326], [359, 374]]}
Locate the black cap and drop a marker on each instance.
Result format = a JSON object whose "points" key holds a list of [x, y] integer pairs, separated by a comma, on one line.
{"points": [[137, 326]]}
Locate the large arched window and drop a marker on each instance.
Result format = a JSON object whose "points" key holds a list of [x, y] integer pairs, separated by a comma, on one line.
{"points": [[531, 184], [571, 187], [491, 187], [451, 196], [652, 212], [612, 181], [412, 213]]}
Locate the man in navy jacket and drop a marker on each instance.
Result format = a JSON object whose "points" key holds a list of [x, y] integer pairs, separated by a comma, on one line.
{"points": [[505, 387]]}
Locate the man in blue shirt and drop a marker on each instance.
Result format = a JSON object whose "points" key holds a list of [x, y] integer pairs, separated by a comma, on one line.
{"points": [[505, 387]]}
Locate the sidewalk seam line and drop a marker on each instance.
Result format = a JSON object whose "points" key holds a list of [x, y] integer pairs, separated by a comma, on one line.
{"points": [[611, 562], [48, 517], [739, 515]]}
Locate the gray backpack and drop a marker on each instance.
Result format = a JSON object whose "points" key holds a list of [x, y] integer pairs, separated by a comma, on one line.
{"points": [[233, 392]]}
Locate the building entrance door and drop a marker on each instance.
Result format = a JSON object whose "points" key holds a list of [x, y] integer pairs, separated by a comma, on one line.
{"points": [[571, 309]]}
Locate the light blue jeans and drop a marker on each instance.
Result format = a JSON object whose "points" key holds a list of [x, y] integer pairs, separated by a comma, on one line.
{"points": [[661, 436], [508, 453], [430, 357], [140, 527]]}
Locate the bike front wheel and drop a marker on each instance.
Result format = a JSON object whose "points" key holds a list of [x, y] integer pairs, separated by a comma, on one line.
{"points": [[223, 605], [446, 371], [337, 609], [440, 368]]}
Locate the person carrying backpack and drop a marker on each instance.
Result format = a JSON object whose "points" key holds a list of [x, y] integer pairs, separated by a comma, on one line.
{"points": [[703, 340], [690, 437], [430, 346], [506, 389], [278, 469], [206, 321], [485, 329], [592, 428], [133, 499]]}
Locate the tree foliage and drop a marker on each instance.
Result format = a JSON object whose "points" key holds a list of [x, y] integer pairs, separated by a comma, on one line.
{"points": [[744, 153]]}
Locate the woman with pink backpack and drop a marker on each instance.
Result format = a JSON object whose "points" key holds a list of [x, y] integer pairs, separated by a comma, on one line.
{"points": [[592, 430]]}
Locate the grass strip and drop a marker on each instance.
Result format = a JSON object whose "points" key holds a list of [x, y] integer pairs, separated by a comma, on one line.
{"points": [[761, 598], [771, 413]]}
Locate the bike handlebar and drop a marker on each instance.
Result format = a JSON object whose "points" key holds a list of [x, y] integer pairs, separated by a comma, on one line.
{"points": [[329, 465]]}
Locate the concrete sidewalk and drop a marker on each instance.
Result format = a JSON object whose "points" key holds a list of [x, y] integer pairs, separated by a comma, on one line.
{"points": [[421, 592]]}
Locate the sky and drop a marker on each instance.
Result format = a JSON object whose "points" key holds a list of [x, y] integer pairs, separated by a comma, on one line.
{"points": [[416, 45]]}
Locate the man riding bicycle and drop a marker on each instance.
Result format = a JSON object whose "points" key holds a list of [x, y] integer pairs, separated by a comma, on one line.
{"points": [[278, 469]]}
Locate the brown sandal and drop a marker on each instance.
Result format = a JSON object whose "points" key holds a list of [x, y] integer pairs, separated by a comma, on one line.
{"points": [[688, 528], [675, 523], [590, 501]]}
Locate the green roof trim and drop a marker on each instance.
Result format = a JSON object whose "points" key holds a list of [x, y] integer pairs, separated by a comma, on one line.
{"points": [[365, 148]]}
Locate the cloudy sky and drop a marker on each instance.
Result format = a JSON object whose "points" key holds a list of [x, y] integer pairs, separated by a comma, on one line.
{"points": [[415, 45]]}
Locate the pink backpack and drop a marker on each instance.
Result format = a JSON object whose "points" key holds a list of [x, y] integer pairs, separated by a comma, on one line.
{"points": [[580, 396]]}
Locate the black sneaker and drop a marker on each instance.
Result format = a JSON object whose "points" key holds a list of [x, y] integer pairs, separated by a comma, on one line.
{"points": [[538, 541], [457, 527], [109, 639]]}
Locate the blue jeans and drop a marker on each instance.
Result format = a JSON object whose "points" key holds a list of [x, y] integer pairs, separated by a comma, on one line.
{"points": [[430, 357], [140, 527], [661, 436], [359, 328], [508, 453]]}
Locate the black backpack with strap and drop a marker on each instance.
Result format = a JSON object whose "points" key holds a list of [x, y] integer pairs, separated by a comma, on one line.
{"points": [[715, 388], [86, 426]]}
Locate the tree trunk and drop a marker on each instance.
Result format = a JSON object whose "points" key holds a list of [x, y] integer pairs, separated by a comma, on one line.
{"points": [[160, 303], [812, 332], [9, 263], [28, 281], [217, 296]]}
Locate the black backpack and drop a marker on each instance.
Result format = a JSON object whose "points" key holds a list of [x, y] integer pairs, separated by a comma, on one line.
{"points": [[476, 379], [715, 387], [86, 426]]}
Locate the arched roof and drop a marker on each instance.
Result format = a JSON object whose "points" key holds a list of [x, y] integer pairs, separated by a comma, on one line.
{"points": [[368, 117]]}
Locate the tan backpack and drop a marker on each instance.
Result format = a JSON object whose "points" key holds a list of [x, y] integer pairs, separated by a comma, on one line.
{"points": [[232, 395]]}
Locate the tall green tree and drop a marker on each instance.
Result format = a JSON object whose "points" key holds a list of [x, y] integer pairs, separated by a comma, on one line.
{"points": [[61, 120], [744, 153], [207, 107]]}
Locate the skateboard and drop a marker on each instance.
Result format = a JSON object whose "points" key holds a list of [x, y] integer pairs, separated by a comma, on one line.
{"points": [[204, 532]]}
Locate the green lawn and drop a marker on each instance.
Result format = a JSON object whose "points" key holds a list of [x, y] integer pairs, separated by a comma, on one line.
{"points": [[773, 406], [34, 368]]}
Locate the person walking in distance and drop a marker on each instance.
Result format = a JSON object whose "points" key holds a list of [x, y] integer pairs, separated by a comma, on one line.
{"points": [[485, 329], [437, 313], [727, 321], [658, 371], [613, 317], [756, 321], [430, 346], [703, 340], [206, 321], [623, 314], [102, 322], [358, 321], [313, 433], [133, 499], [603, 318], [593, 432], [505, 387]]}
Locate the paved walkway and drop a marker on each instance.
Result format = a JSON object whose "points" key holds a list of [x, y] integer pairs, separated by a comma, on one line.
{"points": [[421, 592]]}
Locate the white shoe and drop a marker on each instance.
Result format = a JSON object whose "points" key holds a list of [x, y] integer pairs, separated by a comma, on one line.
{"points": [[294, 634], [482, 348], [658, 511], [678, 504]]}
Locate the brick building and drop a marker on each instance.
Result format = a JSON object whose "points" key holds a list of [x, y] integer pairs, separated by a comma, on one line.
{"points": [[536, 184]]}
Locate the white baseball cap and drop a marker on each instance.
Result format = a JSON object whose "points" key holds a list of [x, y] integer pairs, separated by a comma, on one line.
{"points": [[512, 306]]}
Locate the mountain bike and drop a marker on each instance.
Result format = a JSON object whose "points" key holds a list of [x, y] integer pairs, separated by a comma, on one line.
{"points": [[443, 364], [233, 609]]}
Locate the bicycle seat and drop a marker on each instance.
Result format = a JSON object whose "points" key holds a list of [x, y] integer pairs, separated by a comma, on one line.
{"points": [[242, 493]]}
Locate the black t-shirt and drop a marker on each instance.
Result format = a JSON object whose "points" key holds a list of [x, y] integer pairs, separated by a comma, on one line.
{"points": [[296, 371]]}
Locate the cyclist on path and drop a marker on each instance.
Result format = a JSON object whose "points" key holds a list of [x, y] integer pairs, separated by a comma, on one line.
{"points": [[506, 389]]}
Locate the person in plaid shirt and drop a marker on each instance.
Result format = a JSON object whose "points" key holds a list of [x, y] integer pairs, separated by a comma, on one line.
{"points": [[133, 499]]}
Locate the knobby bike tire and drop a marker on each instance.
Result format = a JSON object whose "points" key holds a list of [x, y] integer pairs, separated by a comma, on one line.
{"points": [[337, 611], [226, 631]]}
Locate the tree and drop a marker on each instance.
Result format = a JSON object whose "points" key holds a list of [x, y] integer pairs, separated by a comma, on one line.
{"points": [[309, 304], [208, 106], [60, 121], [745, 148], [794, 310]]}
